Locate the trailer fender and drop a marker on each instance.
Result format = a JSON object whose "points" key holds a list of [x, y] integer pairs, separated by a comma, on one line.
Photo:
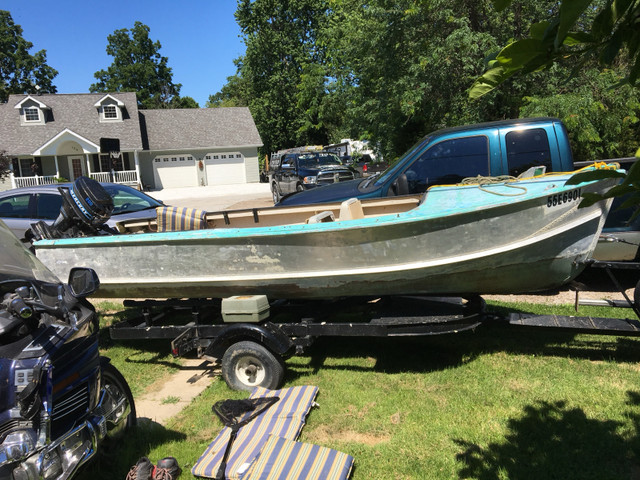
{"points": [[266, 334]]}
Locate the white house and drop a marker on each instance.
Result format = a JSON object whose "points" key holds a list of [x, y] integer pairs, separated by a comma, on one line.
{"points": [[106, 137]]}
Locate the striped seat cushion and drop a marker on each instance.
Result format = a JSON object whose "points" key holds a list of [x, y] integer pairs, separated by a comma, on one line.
{"points": [[282, 459], [175, 219], [283, 419]]}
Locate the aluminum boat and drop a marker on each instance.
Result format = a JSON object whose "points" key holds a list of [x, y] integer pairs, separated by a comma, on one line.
{"points": [[510, 237]]}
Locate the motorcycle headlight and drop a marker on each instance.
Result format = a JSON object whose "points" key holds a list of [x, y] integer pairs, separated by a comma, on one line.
{"points": [[17, 446], [310, 180]]}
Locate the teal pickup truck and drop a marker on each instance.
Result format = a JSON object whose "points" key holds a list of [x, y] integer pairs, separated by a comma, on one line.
{"points": [[508, 147]]}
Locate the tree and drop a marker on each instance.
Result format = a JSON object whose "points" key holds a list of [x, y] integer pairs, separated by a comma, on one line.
{"points": [[402, 68], [581, 31], [280, 37], [232, 94], [613, 33], [138, 66], [5, 162], [21, 72]]}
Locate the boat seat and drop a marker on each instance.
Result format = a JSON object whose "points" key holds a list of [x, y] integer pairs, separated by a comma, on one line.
{"points": [[284, 419], [351, 209], [322, 217], [175, 219]]}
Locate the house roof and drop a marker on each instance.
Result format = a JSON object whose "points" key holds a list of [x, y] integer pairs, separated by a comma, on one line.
{"points": [[200, 128], [77, 116], [74, 112]]}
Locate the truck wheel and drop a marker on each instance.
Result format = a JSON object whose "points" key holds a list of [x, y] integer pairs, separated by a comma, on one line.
{"points": [[275, 194], [246, 365]]}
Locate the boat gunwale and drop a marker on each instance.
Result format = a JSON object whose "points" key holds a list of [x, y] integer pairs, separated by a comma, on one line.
{"points": [[420, 213]]}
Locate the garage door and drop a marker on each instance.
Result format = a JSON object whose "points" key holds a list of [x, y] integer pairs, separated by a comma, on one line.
{"points": [[225, 168], [175, 171]]}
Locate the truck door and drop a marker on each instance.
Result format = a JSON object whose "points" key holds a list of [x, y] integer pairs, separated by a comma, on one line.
{"points": [[447, 162]]}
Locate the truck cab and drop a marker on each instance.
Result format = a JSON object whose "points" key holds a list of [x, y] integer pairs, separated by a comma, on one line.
{"points": [[447, 156]]}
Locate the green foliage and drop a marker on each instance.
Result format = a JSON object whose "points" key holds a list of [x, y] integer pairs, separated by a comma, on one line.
{"points": [[281, 39], [21, 72], [612, 35], [402, 69], [603, 121], [138, 67], [232, 94], [5, 163], [317, 71]]}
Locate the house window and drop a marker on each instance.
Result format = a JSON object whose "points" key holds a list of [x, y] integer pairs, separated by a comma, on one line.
{"points": [[110, 112], [31, 114]]}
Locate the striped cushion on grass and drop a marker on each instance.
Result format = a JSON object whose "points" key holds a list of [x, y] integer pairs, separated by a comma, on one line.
{"points": [[175, 219], [283, 419], [282, 459]]}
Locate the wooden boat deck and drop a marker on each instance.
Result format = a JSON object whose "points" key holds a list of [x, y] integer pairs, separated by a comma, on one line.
{"points": [[276, 216]]}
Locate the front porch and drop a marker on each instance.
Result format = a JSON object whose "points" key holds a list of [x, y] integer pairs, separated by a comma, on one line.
{"points": [[69, 156], [125, 177]]}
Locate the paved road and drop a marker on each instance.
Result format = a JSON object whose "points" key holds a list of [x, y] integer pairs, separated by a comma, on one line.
{"points": [[218, 197]]}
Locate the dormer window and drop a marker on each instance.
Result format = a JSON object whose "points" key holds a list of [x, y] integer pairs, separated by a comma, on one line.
{"points": [[110, 112], [32, 111], [110, 109], [31, 114]]}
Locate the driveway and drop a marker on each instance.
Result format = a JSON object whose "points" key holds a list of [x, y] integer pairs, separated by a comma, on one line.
{"points": [[217, 197]]}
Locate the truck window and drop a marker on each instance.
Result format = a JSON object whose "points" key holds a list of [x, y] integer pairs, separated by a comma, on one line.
{"points": [[449, 162], [526, 149]]}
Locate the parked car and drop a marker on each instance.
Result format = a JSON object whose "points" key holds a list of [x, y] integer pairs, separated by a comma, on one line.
{"points": [[20, 207], [297, 172]]}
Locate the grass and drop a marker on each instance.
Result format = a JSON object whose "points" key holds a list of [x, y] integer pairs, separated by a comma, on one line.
{"points": [[499, 403]]}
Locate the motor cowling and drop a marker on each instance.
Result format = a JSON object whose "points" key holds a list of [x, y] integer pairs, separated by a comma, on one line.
{"points": [[86, 207]]}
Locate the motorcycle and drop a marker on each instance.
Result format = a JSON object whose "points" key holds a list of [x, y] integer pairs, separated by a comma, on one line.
{"points": [[60, 401]]}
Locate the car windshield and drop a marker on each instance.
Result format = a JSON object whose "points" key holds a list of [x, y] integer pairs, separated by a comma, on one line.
{"points": [[127, 199], [17, 262], [318, 160]]}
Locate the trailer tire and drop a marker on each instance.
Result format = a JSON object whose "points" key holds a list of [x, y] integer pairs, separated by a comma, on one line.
{"points": [[246, 365]]}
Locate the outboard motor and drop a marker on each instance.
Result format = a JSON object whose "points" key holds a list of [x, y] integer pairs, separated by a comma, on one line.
{"points": [[86, 206]]}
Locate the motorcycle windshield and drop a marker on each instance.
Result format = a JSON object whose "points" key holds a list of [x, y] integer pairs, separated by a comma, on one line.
{"points": [[17, 262]]}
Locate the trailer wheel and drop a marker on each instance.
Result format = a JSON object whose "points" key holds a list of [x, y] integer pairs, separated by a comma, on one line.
{"points": [[246, 365]]}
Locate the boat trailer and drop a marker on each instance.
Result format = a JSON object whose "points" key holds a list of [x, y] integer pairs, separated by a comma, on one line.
{"points": [[251, 337]]}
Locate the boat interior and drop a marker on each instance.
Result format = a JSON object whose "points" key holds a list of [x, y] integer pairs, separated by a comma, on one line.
{"points": [[182, 218]]}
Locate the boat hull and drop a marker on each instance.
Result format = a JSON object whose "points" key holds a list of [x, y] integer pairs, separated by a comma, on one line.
{"points": [[464, 240]]}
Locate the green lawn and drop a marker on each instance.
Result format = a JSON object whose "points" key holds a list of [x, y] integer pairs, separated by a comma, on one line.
{"points": [[497, 403]]}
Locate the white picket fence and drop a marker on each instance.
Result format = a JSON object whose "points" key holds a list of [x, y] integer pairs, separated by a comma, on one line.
{"points": [[33, 181], [129, 177]]}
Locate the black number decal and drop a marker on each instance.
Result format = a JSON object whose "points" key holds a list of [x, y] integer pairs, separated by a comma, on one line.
{"points": [[565, 197]]}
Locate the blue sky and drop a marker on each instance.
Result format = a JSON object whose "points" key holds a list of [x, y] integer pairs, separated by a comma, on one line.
{"points": [[199, 37]]}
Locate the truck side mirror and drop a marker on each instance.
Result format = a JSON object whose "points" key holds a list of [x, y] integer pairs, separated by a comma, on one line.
{"points": [[83, 281]]}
